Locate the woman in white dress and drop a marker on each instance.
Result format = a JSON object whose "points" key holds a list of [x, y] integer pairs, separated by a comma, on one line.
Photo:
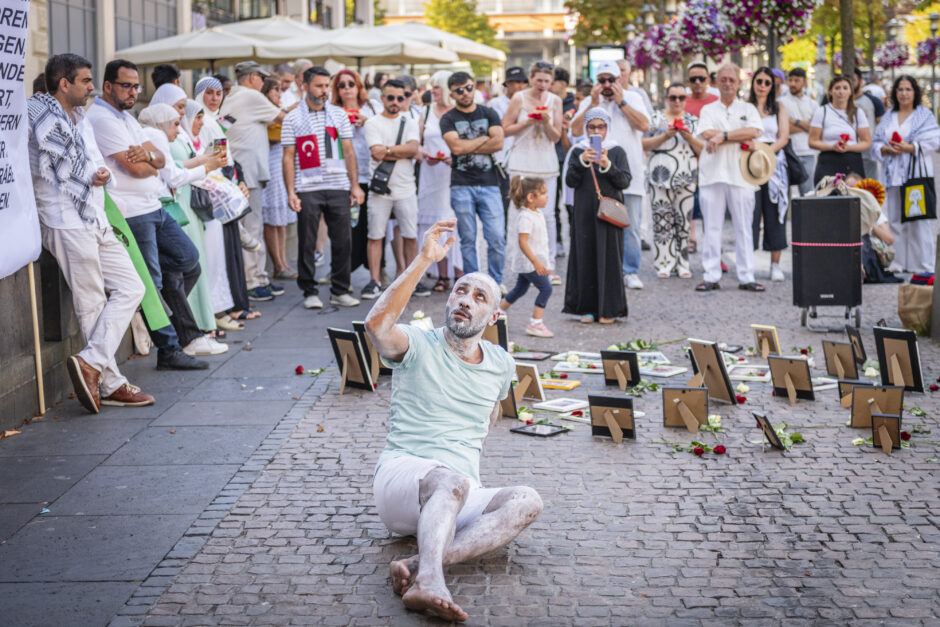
{"points": [[534, 120], [434, 182]]}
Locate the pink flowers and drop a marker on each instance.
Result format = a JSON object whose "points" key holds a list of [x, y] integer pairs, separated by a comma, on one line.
{"points": [[892, 54], [719, 450]]}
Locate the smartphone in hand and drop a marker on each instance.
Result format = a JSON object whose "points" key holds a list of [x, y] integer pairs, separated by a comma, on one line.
{"points": [[596, 142]]}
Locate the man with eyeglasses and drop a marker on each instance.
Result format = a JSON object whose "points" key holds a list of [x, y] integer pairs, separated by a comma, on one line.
{"points": [[628, 123], [474, 133], [319, 180], [248, 144], [135, 188], [392, 136], [697, 77]]}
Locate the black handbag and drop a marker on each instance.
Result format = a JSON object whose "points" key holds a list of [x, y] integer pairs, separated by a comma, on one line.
{"points": [[918, 196], [383, 172], [795, 170], [201, 203]]}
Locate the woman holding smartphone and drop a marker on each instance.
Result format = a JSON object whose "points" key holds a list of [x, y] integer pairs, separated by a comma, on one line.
{"points": [[840, 132]]}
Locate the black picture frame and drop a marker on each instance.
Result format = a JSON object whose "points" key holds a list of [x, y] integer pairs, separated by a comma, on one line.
{"points": [[497, 333], [892, 423], [798, 369], [507, 406], [610, 359], [360, 328], [623, 406], [716, 377], [346, 343], [539, 430], [903, 344], [858, 347], [768, 430]]}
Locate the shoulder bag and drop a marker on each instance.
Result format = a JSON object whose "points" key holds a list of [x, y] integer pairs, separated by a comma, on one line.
{"points": [[609, 209], [383, 172], [176, 212], [918, 196], [201, 203], [795, 170]]}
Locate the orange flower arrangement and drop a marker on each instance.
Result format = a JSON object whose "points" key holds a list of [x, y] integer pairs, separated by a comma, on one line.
{"points": [[874, 188]]}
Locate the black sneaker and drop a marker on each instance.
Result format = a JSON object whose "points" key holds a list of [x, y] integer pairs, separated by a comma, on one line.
{"points": [[277, 290], [181, 361], [422, 290], [371, 291]]}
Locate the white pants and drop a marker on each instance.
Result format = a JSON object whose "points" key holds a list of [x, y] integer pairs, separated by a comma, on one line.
{"points": [[93, 261], [397, 494], [914, 243], [221, 293], [551, 182], [255, 275], [739, 201]]}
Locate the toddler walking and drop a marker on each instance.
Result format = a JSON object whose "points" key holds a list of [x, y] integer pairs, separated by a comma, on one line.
{"points": [[528, 253]]}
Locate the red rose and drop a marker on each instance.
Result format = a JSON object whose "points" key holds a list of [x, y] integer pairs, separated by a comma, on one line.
{"points": [[745, 147], [757, 423], [896, 137], [593, 366], [529, 421], [441, 155], [719, 450], [844, 137], [563, 376], [577, 412], [804, 351], [938, 379], [375, 386], [535, 116], [698, 450], [934, 387], [299, 370], [741, 399], [905, 436]]}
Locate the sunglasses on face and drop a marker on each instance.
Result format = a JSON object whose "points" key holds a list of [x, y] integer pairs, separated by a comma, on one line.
{"points": [[763, 82], [391, 98], [544, 65], [460, 91], [698, 79], [677, 98], [407, 94], [346, 85], [129, 86], [605, 80]]}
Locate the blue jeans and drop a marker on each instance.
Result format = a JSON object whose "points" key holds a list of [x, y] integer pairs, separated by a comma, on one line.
{"points": [[541, 283], [468, 202], [170, 255], [632, 248]]}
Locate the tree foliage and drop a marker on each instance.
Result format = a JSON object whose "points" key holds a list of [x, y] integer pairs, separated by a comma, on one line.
{"points": [[602, 21], [462, 17], [379, 12]]}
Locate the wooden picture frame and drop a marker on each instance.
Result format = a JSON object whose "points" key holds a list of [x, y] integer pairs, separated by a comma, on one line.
{"points": [[858, 348], [870, 400], [497, 333], [508, 407], [351, 360], [766, 341], [710, 371], [840, 359], [372, 355], [768, 430], [612, 416], [886, 432], [530, 386], [845, 390], [685, 407], [791, 379], [899, 358], [621, 368]]}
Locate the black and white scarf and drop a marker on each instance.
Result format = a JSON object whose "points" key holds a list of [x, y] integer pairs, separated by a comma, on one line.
{"points": [[63, 158]]}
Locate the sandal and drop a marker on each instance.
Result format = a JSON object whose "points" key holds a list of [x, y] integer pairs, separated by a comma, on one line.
{"points": [[707, 287], [248, 314], [751, 287], [587, 319], [442, 285], [606, 320]]}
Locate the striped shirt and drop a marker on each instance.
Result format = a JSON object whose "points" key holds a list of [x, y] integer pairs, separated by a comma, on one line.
{"points": [[332, 175]]}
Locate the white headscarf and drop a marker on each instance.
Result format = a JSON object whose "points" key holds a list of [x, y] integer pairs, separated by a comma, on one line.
{"points": [[168, 93], [160, 116], [193, 109]]}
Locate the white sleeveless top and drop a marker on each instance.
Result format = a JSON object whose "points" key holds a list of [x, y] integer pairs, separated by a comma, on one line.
{"points": [[532, 151], [770, 129]]}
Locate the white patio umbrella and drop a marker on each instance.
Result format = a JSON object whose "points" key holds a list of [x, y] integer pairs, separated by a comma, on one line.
{"points": [[275, 28], [195, 50], [466, 49]]}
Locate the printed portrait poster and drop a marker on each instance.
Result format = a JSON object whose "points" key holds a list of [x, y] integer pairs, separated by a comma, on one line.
{"points": [[20, 240]]}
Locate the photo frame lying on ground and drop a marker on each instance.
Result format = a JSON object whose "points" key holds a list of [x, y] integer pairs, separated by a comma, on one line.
{"points": [[540, 430], [766, 341], [560, 384], [497, 333], [870, 400], [579, 355], [840, 359], [757, 373], [791, 379], [845, 390], [652, 357], [621, 368], [899, 358], [768, 430], [584, 367], [529, 386], [710, 371], [561, 405], [685, 407], [372, 356], [662, 370], [531, 355], [858, 348], [886, 432], [612, 416], [351, 360]]}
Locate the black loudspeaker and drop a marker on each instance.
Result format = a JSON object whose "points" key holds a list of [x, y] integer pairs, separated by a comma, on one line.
{"points": [[827, 252]]}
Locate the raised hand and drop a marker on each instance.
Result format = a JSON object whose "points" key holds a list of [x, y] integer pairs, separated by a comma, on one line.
{"points": [[431, 248]]}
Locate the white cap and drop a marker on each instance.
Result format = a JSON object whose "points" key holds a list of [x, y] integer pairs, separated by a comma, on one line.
{"points": [[607, 67]]}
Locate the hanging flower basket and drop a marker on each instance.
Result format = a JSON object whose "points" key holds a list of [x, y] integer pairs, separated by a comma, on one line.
{"points": [[892, 54], [928, 51]]}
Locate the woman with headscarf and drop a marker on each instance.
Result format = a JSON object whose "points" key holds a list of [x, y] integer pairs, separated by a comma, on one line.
{"points": [[170, 94], [162, 127], [594, 289]]}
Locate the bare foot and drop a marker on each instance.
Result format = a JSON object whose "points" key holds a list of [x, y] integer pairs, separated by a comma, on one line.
{"points": [[402, 573], [436, 601]]}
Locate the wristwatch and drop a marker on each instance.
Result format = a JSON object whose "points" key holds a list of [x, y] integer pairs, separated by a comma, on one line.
{"points": [[725, 135], [150, 156], [623, 102]]}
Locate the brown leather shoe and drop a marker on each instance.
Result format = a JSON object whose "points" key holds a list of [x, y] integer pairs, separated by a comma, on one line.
{"points": [[128, 396], [85, 381]]}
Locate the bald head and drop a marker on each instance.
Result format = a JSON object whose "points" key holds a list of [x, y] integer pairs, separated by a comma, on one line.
{"points": [[473, 304]]}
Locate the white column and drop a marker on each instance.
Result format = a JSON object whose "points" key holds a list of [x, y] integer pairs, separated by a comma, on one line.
{"points": [[104, 21]]}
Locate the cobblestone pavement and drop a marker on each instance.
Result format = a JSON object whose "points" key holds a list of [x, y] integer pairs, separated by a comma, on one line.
{"points": [[829, 533]]}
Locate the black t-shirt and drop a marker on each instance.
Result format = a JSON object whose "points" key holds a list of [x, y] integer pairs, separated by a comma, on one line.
{"points": [[472, 169]]}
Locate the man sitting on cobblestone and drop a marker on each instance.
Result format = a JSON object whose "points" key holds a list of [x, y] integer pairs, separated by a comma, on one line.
{"points": [[447, 384]]}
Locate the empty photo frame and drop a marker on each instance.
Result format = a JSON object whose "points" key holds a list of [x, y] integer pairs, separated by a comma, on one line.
{"points": [[372, 355], [530, 386], [612, 416], [870, 400], [497, 333], [766, 341], [790, 378], [840, 359], [886, 431], [899, 358], [845, 390], [768, 430], [621, 368], [855, 339], [561, 405], [508, 407], [685, 407], [710, 371], [351, 360]]}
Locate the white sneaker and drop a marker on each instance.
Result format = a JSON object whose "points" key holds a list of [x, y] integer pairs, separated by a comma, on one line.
{"points": [[344, 300], [776, 274], [313, 302], [205, 345], [632, 281]]}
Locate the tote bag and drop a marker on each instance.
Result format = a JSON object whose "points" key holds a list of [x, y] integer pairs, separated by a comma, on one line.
{"points": [[918, 196]]}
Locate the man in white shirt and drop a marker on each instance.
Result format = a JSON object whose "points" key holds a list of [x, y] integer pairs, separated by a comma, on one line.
{"points": [[76, 231], [291, 96], [725, 125], [800, 108], [248, 143], [135, 188], [628, 121]]}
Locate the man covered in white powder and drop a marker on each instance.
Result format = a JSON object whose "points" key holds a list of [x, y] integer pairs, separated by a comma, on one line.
{"points": [[446, 389]]}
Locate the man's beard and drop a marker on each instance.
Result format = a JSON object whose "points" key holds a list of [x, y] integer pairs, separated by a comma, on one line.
{"points": [[316, 101], [462, 328], [608, 92], [124, 106]]}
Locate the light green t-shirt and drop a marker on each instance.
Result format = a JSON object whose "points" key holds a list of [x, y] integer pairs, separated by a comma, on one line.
{"points": [[441, 405]]}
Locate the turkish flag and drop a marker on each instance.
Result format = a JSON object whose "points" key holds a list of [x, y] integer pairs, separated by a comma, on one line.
{"points": [[308, 152]]}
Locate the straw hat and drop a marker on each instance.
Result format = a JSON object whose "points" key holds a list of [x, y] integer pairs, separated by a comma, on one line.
{"points": [[757, 163]]}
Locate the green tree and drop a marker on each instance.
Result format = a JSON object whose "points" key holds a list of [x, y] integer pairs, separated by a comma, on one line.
{"points": [[462, 17], [351, 12], [870, 25], [602, 21]]}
